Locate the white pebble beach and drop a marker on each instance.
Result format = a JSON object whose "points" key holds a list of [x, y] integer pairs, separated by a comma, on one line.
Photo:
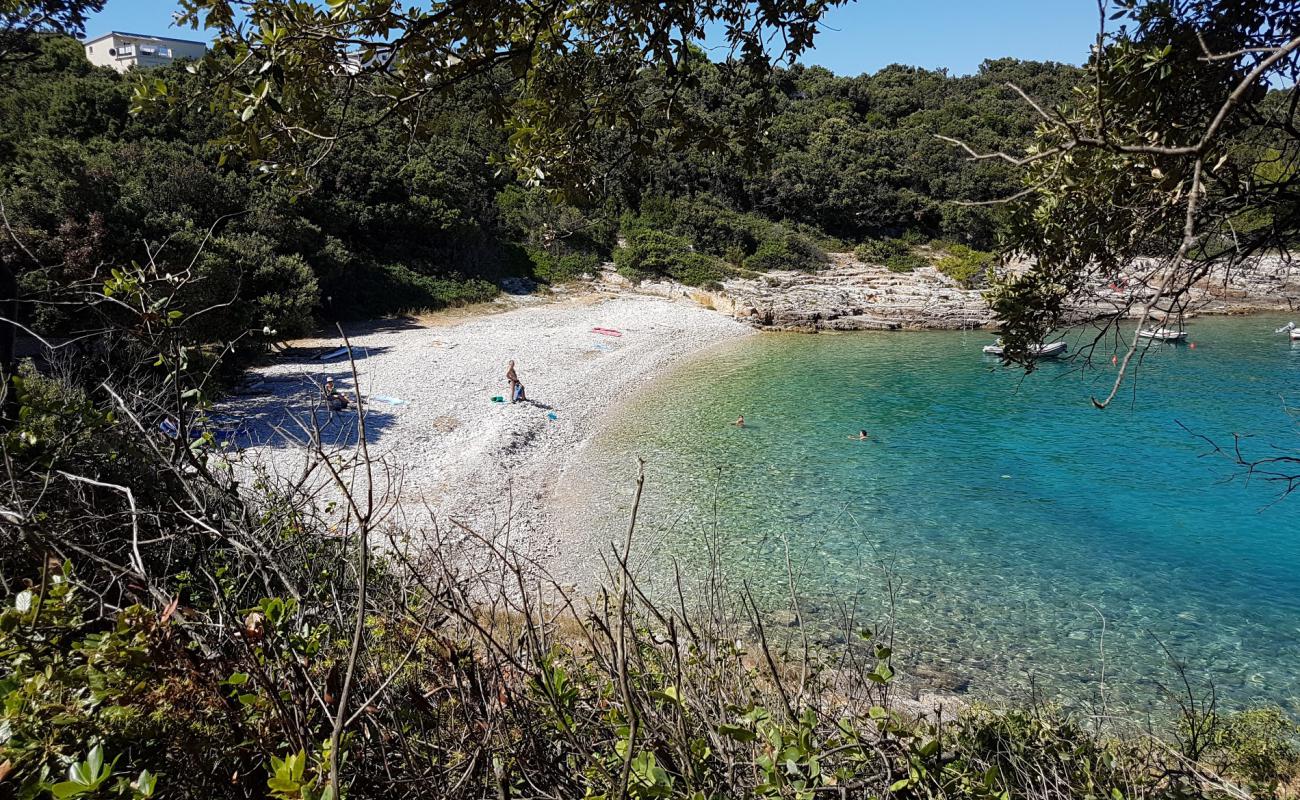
{"points": [[462, 458]]}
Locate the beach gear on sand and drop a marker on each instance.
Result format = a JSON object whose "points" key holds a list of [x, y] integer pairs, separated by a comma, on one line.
{"points": [[498, 399], [392, 401], [342, 351], [607, 331], [551, 415]]}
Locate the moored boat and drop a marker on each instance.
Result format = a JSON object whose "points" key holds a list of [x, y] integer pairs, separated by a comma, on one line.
{"points": [[1163, 334], [1050, 350]]}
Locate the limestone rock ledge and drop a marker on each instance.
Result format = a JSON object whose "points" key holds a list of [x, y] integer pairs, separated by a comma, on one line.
{"points": [[852, 296]]}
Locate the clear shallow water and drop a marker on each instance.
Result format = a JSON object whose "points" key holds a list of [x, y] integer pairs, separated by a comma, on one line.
{"points": [[1007, 512]]}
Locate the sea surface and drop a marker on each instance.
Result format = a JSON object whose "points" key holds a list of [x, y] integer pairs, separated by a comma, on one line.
{"points": [[1017, 539]]}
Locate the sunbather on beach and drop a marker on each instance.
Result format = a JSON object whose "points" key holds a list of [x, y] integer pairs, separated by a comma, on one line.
{"points": [[333, 397]]}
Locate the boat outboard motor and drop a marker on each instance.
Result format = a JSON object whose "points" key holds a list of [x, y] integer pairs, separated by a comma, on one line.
{"points": [[1290, 326]]}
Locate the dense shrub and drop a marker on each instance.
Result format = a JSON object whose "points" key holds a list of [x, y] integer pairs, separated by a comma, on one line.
{"points": [[650, 253], [747, 239], [76, 692], [540, 220], [560, 266], [697, 269], [718, 230], [791, 251], [896, 255], [647, 252], [248, 285], [963, 264], [1259, 746]]}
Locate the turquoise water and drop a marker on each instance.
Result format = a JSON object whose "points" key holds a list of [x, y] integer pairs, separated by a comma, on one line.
{"points": [[1008, 515]]}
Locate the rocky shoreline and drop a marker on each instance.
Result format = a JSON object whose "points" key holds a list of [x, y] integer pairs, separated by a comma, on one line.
{"points": [[850, 295]]}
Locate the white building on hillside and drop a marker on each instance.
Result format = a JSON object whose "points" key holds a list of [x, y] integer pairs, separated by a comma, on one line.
{"points": [[121, 51]]}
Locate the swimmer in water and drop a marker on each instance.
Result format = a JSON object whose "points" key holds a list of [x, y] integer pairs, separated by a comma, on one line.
{"points": [[861, 437], [740, 421]]}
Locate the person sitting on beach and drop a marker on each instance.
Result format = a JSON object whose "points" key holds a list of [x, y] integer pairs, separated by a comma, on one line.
{"points": [[861, 437], [516, 386], [333, 397], [740, 421]]}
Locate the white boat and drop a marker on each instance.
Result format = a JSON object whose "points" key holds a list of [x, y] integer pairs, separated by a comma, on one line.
{"points": [[1295, 334], [1163, 334], [1051, 350]]}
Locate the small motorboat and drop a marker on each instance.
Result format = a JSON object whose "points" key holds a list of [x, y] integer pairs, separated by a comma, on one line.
{"points": [[1291, 329], [1052, 350], [1163, 334]]}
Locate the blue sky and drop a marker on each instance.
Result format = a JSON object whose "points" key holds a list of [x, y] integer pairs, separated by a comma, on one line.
{"points": [[859, 37]]}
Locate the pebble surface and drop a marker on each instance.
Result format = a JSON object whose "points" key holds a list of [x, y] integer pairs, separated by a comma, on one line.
{"points": [[447, 448]]}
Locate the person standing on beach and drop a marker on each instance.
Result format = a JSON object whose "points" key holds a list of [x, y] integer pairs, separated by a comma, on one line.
{"points": [[516, 387]]}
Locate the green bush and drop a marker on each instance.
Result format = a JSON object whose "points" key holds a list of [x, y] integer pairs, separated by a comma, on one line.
{"points": [[698, 269], [270, 288], [539, 220], [561, 266], [896, 255], [1259, 747], [791, 251], [718, 230], [740, 238], [963, 264], [651, 253], [94, 710]]}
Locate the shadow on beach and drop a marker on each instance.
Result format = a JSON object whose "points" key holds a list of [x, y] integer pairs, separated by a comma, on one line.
{"points": [[288, 408]]}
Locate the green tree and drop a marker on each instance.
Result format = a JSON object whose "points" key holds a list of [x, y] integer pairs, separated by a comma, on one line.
{"points": [[1174, 148], [22, 21], [565, 71]]}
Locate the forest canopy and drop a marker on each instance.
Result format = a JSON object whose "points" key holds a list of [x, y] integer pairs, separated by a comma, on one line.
{"points": [[394, 222]]}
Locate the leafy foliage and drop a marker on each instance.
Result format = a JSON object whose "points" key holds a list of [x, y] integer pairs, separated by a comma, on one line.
{"points": [[894, 254], [1162, 152], [22, 22], [653, 254], [564, 73], [1259, 746], [963, 264]]}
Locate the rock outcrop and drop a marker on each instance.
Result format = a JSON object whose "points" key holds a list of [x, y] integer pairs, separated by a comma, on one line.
{"points": [[850, 295]]}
